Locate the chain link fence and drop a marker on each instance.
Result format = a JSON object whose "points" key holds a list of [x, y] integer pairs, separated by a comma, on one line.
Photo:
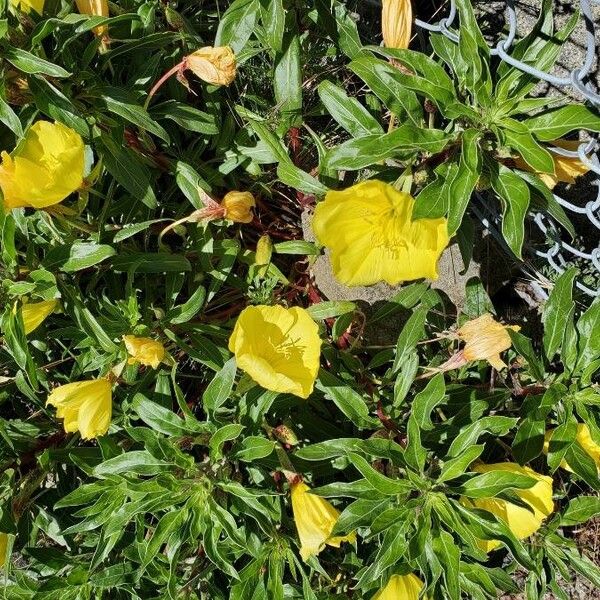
{"points": [[577, 79]]}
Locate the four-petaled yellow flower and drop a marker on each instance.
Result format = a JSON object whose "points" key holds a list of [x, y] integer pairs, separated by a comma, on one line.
{"points": [[278, 347], [566, 169], [315, 519], [144, 350], [396, 23], [400, 587], [84, 405], [27, 6], [97, 8], [584, 439], [484, 339], [215, 65], [45, 167], [520, 520], [34, 313], [3, 548], [237, 206], [370, 233]]}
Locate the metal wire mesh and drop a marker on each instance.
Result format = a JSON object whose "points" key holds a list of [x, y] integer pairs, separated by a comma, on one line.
{"points": [[557, 252]]}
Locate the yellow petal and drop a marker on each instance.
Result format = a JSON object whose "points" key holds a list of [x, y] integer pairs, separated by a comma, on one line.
{"points": [[84, 405], [278, 347], [3, 548], [520, 520], [396, 23], [45, 168], [315, 519], [34, 313], [97, 8], [27, 6], [400, 587], [238, 206], [215, 65], [369, 231], [144, 350]]}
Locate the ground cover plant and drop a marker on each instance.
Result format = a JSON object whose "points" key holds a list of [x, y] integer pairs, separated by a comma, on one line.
{"points": [[183, 413]]}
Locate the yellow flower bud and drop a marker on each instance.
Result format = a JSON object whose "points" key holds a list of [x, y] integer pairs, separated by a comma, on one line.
{"points": [[396, 23], [522, 521], [45, 168], [34, 313], [215, 65], [84, 405], [315, 519], [97, 8], [484, 339], [3, 548], [400, 587], [264, 250], [144, 350], [27, 6], [238, 206]]}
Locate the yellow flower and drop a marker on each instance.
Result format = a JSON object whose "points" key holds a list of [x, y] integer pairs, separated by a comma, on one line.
{"points": [[400, 587], [278, 347], [396, 23], [3, 548], [98, 8], [84, 405], [27, 6], [484, 339], [215, 65], [584, 439], [34, 313], [238, 206], [315, 519], [371, 235], [566, 169], [144, 350], [45, 167], [521, 521]]}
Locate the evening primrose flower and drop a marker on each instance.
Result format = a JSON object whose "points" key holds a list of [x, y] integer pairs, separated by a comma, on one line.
{"points": [[27, 6], [396, 23], [144, 350], [84, 405], [34, 313], [213, 64], [584, 439], [566, 169], [45, 168], [371, 236], [278, 347], [520, 520], [97, 8], [237, 206], [484, 339], [400, 587], [315, 519]]}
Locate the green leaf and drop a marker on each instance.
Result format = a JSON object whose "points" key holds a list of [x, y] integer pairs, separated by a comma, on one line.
{"points": [[554, 124], [494, 424], [380, 482], [220, 388], [328, 309], [492, 483], [426, 400], [150, 262], [529, 440], [189, 309], [85, 255], [556, 312], [31, 64], [588, 327], [162, 419], [273, 20], [10, 119], [254, 448], [580, 510], [222, 435], [298, 179], [139, 462], [455, 467], [237, 24], [537, 157], [412, 333], [186, 116], [288, 82]]}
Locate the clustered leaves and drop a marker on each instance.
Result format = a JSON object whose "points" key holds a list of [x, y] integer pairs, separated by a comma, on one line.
{"points": [[183, 413]]}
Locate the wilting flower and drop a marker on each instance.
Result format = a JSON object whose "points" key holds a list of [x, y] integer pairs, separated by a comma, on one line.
{"points": [[34, 313], [45, 167], [84, 405], [484, 339], [238, 206], [584, 439], [400, 587], [97, 8], [3, 548], [278, 347], [144, 350], [315, 519], [520, 520], [566, 169], [215, 65], [370, 233], [27, 6], [396, 23]]}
